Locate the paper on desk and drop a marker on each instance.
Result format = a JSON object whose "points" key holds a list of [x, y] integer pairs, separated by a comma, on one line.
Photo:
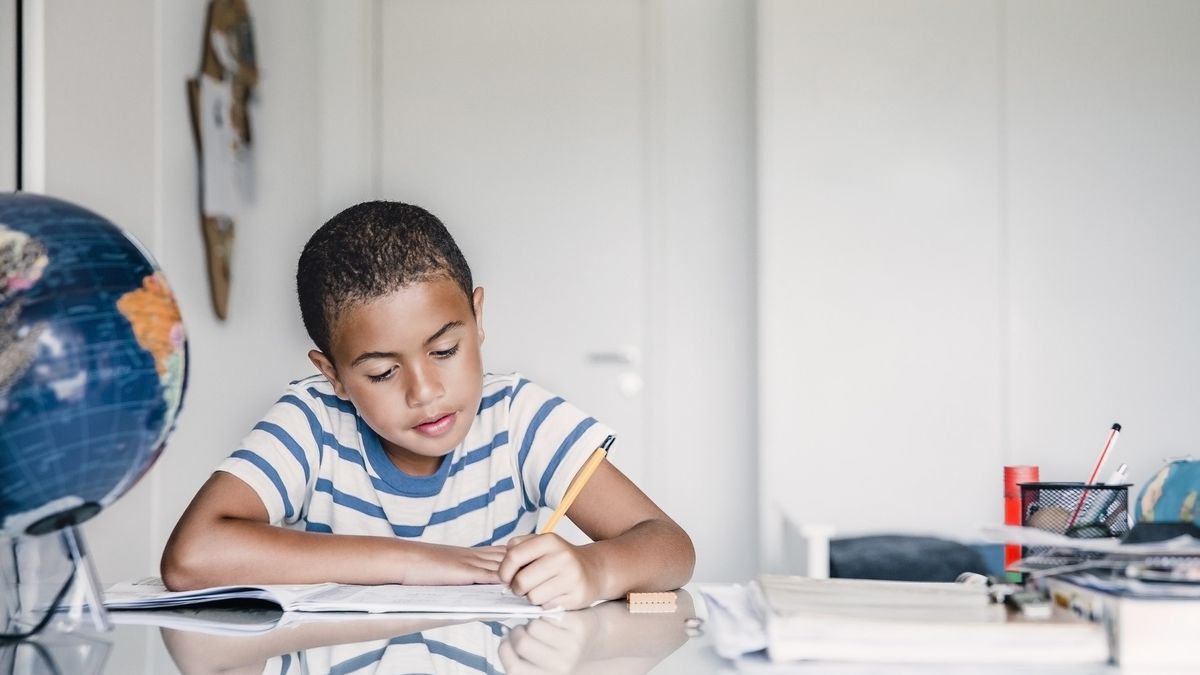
{"points": [[738, 626], [1031, 536], [1137, 588]]}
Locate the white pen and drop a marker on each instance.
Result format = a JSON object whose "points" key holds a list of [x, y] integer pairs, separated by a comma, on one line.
{"points": [[1103, 501]]}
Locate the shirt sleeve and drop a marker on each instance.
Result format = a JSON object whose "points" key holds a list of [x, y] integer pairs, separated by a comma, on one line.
{"points": [[278, 459], [553, 441]]}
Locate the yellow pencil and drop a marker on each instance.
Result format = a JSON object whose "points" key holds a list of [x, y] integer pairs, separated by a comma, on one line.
{"points": [[581, 479]]}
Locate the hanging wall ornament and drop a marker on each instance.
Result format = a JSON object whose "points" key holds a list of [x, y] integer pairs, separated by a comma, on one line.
{"points": [[219, 98]]}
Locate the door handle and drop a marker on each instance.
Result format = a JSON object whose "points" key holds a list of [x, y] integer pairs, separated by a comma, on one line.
{"points": [[625, 355]]}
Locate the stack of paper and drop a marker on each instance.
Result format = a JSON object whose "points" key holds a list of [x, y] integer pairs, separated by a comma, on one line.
{"points": [[866, 621]]}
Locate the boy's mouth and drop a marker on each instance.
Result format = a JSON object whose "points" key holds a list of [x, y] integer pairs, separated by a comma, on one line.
{"points": [[436, 425]]}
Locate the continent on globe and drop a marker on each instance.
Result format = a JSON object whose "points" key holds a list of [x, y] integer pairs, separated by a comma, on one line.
{"points": [[158, 327], [22, 261]]}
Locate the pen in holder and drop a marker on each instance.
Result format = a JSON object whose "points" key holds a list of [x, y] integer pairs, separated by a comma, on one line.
{"points": [[1075, 510]]}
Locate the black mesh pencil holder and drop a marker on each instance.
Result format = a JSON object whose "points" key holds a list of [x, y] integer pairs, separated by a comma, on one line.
{"points": [[1075, 509]]}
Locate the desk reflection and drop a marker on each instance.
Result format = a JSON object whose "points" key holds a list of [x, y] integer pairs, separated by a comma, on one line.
{"points": [[605, 639]]}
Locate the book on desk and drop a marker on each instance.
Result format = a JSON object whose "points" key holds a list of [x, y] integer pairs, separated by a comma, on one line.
{"points": [[1148, 624], [892, 622]]}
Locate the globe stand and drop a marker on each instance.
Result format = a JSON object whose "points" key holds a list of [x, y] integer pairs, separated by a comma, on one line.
{"points": [[49, 581], [86, 595]]}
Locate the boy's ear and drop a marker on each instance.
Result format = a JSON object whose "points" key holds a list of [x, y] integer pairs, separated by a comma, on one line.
{"points": [[477, 303], [324, 365]]}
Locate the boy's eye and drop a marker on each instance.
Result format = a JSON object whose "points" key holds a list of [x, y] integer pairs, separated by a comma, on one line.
{"points": [[445, 353], [383, 376]]}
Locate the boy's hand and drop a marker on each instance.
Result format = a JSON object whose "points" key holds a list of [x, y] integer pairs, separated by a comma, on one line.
{"points": [[550, 572], [438, 565]]}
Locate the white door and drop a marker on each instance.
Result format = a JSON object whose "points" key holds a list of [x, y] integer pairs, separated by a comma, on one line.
{"points": [[519, 124]]}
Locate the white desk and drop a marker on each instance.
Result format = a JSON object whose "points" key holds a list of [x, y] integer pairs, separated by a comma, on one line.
{"points": [[606, 639]]}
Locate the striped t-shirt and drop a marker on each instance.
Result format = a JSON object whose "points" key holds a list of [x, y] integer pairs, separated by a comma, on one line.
{"points": [[318, 467]]}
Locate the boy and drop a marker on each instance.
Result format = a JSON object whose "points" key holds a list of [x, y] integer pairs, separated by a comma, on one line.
{"points": [[402, 462]]}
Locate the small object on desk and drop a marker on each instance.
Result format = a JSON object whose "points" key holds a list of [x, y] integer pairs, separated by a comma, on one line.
{"points": [[1031, 603], [693, 626], [1013, 477], [1108, 444], [646, 603]]}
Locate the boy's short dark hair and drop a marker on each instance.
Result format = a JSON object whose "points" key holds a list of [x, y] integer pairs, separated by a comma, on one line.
{"points": [[368, 251]]}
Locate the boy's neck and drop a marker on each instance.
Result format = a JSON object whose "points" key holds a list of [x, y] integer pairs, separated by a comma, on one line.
{"points": [[413, 464]]}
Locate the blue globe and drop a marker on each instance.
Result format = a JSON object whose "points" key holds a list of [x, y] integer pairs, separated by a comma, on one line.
{"points": [[93, 363]]}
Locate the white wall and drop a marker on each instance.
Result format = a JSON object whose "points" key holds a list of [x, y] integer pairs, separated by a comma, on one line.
{"points": [[118, 141], [977, 248], [700, 330], [673, 89]]}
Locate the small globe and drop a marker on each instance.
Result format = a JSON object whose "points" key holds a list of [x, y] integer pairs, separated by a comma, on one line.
{"points": [[93, 363], [1172, 495]]}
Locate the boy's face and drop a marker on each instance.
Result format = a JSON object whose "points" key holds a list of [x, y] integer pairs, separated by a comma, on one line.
{"points": [[410, 363]]}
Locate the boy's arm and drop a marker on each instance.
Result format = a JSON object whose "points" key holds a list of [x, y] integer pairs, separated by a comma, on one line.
{"points": [[224, 538], [637, 547]]}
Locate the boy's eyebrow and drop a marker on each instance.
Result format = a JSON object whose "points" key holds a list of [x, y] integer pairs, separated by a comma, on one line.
{"points": [[451, 325], [366, 356]]}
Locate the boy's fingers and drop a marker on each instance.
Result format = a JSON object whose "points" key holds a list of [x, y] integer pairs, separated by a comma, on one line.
{"points": [[517, 540], [486, 576], [550, 594], [494, 556], [534, 575], [521, 554]]}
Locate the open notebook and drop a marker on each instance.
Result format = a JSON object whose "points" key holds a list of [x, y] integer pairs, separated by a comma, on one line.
{"points": [[150, 593]]}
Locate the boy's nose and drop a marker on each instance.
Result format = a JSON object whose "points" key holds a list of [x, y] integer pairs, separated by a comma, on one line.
{"points": [[424, 386]]}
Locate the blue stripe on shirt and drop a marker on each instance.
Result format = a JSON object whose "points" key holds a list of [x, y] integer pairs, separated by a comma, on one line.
{"points": [[288, 442], [375, 511], [332, 401], [269, 472], [566, 445], [479, 454], [472, 504], [520, 385], [350, 501], [492, 399], [527, 442], [317, 431], [502, 531]]}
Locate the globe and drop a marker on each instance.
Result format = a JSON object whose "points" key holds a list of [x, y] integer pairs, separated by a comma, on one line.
{"points": [[1172, 495], [93, 363]]}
